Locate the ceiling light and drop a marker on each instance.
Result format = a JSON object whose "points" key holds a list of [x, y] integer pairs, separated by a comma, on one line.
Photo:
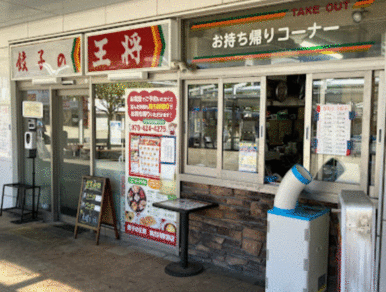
{"points": [[46, 80], [359, 15], [127, 76]]}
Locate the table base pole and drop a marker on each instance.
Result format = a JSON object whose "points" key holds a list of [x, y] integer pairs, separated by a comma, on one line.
{"points": [[175, 269]]}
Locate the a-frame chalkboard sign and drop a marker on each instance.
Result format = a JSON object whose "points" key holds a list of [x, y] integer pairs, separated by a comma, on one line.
{"points": [[95, 206]]}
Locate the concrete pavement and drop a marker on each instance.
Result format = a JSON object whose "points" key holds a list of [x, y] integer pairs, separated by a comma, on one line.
{"points": [[39, 256]]}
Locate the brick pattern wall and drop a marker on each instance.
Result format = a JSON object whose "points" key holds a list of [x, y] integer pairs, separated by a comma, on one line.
{"points": [[233, 236]]}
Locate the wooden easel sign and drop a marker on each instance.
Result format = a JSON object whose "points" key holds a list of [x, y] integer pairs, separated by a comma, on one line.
{"points": [[95, 206]]}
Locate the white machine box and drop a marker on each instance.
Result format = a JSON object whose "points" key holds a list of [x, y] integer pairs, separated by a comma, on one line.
{"points": [[297, 250], [357, 228]]}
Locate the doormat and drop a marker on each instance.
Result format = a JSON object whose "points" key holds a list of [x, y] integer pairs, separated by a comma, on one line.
{"points": [[70, 228]]}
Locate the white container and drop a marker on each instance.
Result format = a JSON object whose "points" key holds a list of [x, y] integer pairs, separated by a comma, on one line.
{"points": [[294, 181], [357, 230], [30, 140], [297, 250]]}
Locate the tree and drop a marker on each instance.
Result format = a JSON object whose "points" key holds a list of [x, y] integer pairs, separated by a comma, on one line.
{"points": [[111, 96]]}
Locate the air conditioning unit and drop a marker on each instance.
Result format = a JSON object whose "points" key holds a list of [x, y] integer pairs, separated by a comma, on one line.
{"points": [[357, 233]]}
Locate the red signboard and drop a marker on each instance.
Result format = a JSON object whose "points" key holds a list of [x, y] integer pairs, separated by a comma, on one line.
{"points": [[143, 47]]}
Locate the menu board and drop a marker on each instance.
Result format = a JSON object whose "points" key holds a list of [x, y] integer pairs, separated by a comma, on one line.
{"points": [[151, 130], [145, 155], [91, 201], [333, 129], [96, 206]]}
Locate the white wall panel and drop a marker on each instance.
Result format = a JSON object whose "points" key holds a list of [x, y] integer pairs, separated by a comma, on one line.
{"points": [[135, 9], [46, 26], [170, 6], [5, 122], [84, 19], [13, 33]]}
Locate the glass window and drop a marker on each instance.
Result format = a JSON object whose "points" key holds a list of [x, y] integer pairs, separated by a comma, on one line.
{"points": [[202, 125], [74, 142], [110, 134], [373, 130], [241, 126], [298, 31], [44, 151], [331, 167]]}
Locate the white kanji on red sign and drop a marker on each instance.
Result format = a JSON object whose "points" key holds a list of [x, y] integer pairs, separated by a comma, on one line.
{"points": [[135, 47], [101, 53]]}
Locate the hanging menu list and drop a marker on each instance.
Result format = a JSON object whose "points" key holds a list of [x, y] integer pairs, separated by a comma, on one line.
{"points": [[333, 129]]}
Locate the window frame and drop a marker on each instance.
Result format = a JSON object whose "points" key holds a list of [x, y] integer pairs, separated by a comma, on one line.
{"points": [[337, 187], [376, 189], [326, 193], [219, 172]]}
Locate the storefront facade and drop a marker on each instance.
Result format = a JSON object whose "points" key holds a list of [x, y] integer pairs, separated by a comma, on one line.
{"points": [[259, 87]]}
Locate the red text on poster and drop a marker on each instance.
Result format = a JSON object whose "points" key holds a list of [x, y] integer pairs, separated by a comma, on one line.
{"points": [[152, 105]]}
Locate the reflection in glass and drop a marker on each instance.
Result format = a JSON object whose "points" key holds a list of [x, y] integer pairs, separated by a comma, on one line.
{"points": [[202, 127], [43, 143], [110, 133], [373, 130], [338, 168], [240, 38], [241, 126], [74, 143]]}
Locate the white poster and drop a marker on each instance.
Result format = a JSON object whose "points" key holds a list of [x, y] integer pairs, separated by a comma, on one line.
{"points": [[115, 133], [333, 129], [248, 156]]}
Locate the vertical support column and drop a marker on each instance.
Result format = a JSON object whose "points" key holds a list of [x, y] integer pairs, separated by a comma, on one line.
{"points": [[56, 152], [92, 127], [17, 133]]}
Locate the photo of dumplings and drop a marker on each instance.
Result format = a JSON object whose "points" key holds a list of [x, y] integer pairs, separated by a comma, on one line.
{"points": [[136, 198]]}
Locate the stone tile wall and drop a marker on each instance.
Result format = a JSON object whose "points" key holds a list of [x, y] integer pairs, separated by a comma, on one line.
{"points": [[233, 236]]}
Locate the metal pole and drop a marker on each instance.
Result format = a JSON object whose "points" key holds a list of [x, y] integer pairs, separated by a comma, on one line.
{"points": [[184, 239], [33, 188]]}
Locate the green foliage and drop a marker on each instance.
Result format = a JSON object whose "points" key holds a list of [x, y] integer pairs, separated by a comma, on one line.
{"points": [[111, 96]]}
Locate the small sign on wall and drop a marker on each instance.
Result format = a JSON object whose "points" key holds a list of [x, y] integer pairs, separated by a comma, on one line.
{"points": [[33, 109]]}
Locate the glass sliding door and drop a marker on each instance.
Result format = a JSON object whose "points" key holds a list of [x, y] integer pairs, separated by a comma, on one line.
{"points": [[110, 141], [340, 130], [202, 114], [44, 150], [223, 128], [74, 136], [377, 133]]}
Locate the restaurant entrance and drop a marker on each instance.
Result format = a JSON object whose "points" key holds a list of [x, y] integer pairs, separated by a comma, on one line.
{"points": [[73, 147], [63, 138]]}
